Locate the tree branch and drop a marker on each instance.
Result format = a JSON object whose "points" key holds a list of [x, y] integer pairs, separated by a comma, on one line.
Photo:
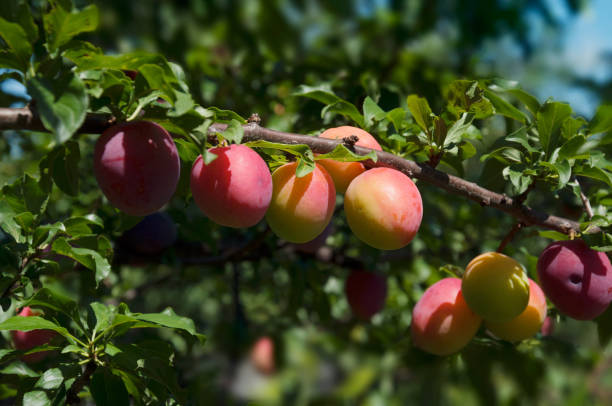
{"points": [[72, 396], [26, 119]]}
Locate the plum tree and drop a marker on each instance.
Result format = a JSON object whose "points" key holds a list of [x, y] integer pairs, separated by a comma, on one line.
{"points": [[137, 167], [495, 286], [300, 208], [366, 293], [442, 322], [344, 172], [262, 355], [235, 189], [576, 278], [383, 208], [25, 340], [526, 324], [152, 235]]}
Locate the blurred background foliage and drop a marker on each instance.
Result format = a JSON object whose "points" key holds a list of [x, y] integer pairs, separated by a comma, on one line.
{"points": [[249, 56]]}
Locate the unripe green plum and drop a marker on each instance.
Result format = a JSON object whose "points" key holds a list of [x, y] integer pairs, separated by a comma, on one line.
{"points": [[576, 279], [25, 340], [300, 208], [526, 324], [383, 208], [442, 322], [235, 189], [366, 293], [495, 287], [137, 167], [344, 172]]}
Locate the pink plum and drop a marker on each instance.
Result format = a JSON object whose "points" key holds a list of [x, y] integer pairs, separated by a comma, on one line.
{"points": [[235, 189], [25, 340]]}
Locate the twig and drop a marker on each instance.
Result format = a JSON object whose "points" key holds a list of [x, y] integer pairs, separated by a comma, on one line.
{"points": [[585, 201], [26, 119], [72, 396], [515, 229]]}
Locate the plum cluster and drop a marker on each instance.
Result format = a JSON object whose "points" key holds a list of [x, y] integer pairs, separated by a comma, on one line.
{"points": [[495, 291], [137, 167]]}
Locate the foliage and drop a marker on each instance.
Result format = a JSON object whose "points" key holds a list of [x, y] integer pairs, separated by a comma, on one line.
{"points": [[60, 248]]}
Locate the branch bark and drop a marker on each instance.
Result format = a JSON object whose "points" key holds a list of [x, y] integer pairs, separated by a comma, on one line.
{"points": [[26, 119], [72, 396]]}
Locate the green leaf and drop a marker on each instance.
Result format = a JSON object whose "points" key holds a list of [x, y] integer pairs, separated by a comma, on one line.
{"points": [[234, 132], [62, 103], [505, 108], [372, 112], [421, 112], [604, 326], [602, 121], [48, 298], [519, 181], [594, 173], [553, 235], [89, 258], [465, 96], [108, 389], [334, 104], [30, 323], [82, 225], [62, 25], [512, 88], [397, 116], [104, 316], [159, 79], [343, 154], [573, 148], [303, 152], [35, 198], [36, 398], [20, 369], [550, 118], [456, 131], [169, 319], [51, 379], [224, 116], [18, 43]]}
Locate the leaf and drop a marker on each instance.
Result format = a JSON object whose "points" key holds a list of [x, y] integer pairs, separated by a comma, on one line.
{"points": [[512, 88], [505, 108], [519, 181], [169, 319], [82, 225], [89, 258], [397, 116], [372, 112], [604, 326], [594, 173], [465, 96], [62, 25], [305, 156], [342, 154], [421, 112], [63, 164], [62, 103], [234, 132], [20, 369], [573, 148], [104, 316], [48, 298], [224, 116], [456, 131], [30, 323], [18, 43], [36, 398], [35, 198], [550, 118], [108, 389], [333, 103], [602, 121], [50, 379]]}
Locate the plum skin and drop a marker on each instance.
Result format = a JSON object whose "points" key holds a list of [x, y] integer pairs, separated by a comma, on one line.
{"points": [[262, 355], [300, 208], [137, 166], [442, 322], [366, 293], [25, 340], [576, 278], [344, 172], [526, 324], [383, 208], [235, 189], [152, 235]]}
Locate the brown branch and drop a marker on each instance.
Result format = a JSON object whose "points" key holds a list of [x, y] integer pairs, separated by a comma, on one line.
{"points": [[585, 201], [510, 236], [72, 396], [27, 120]]}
